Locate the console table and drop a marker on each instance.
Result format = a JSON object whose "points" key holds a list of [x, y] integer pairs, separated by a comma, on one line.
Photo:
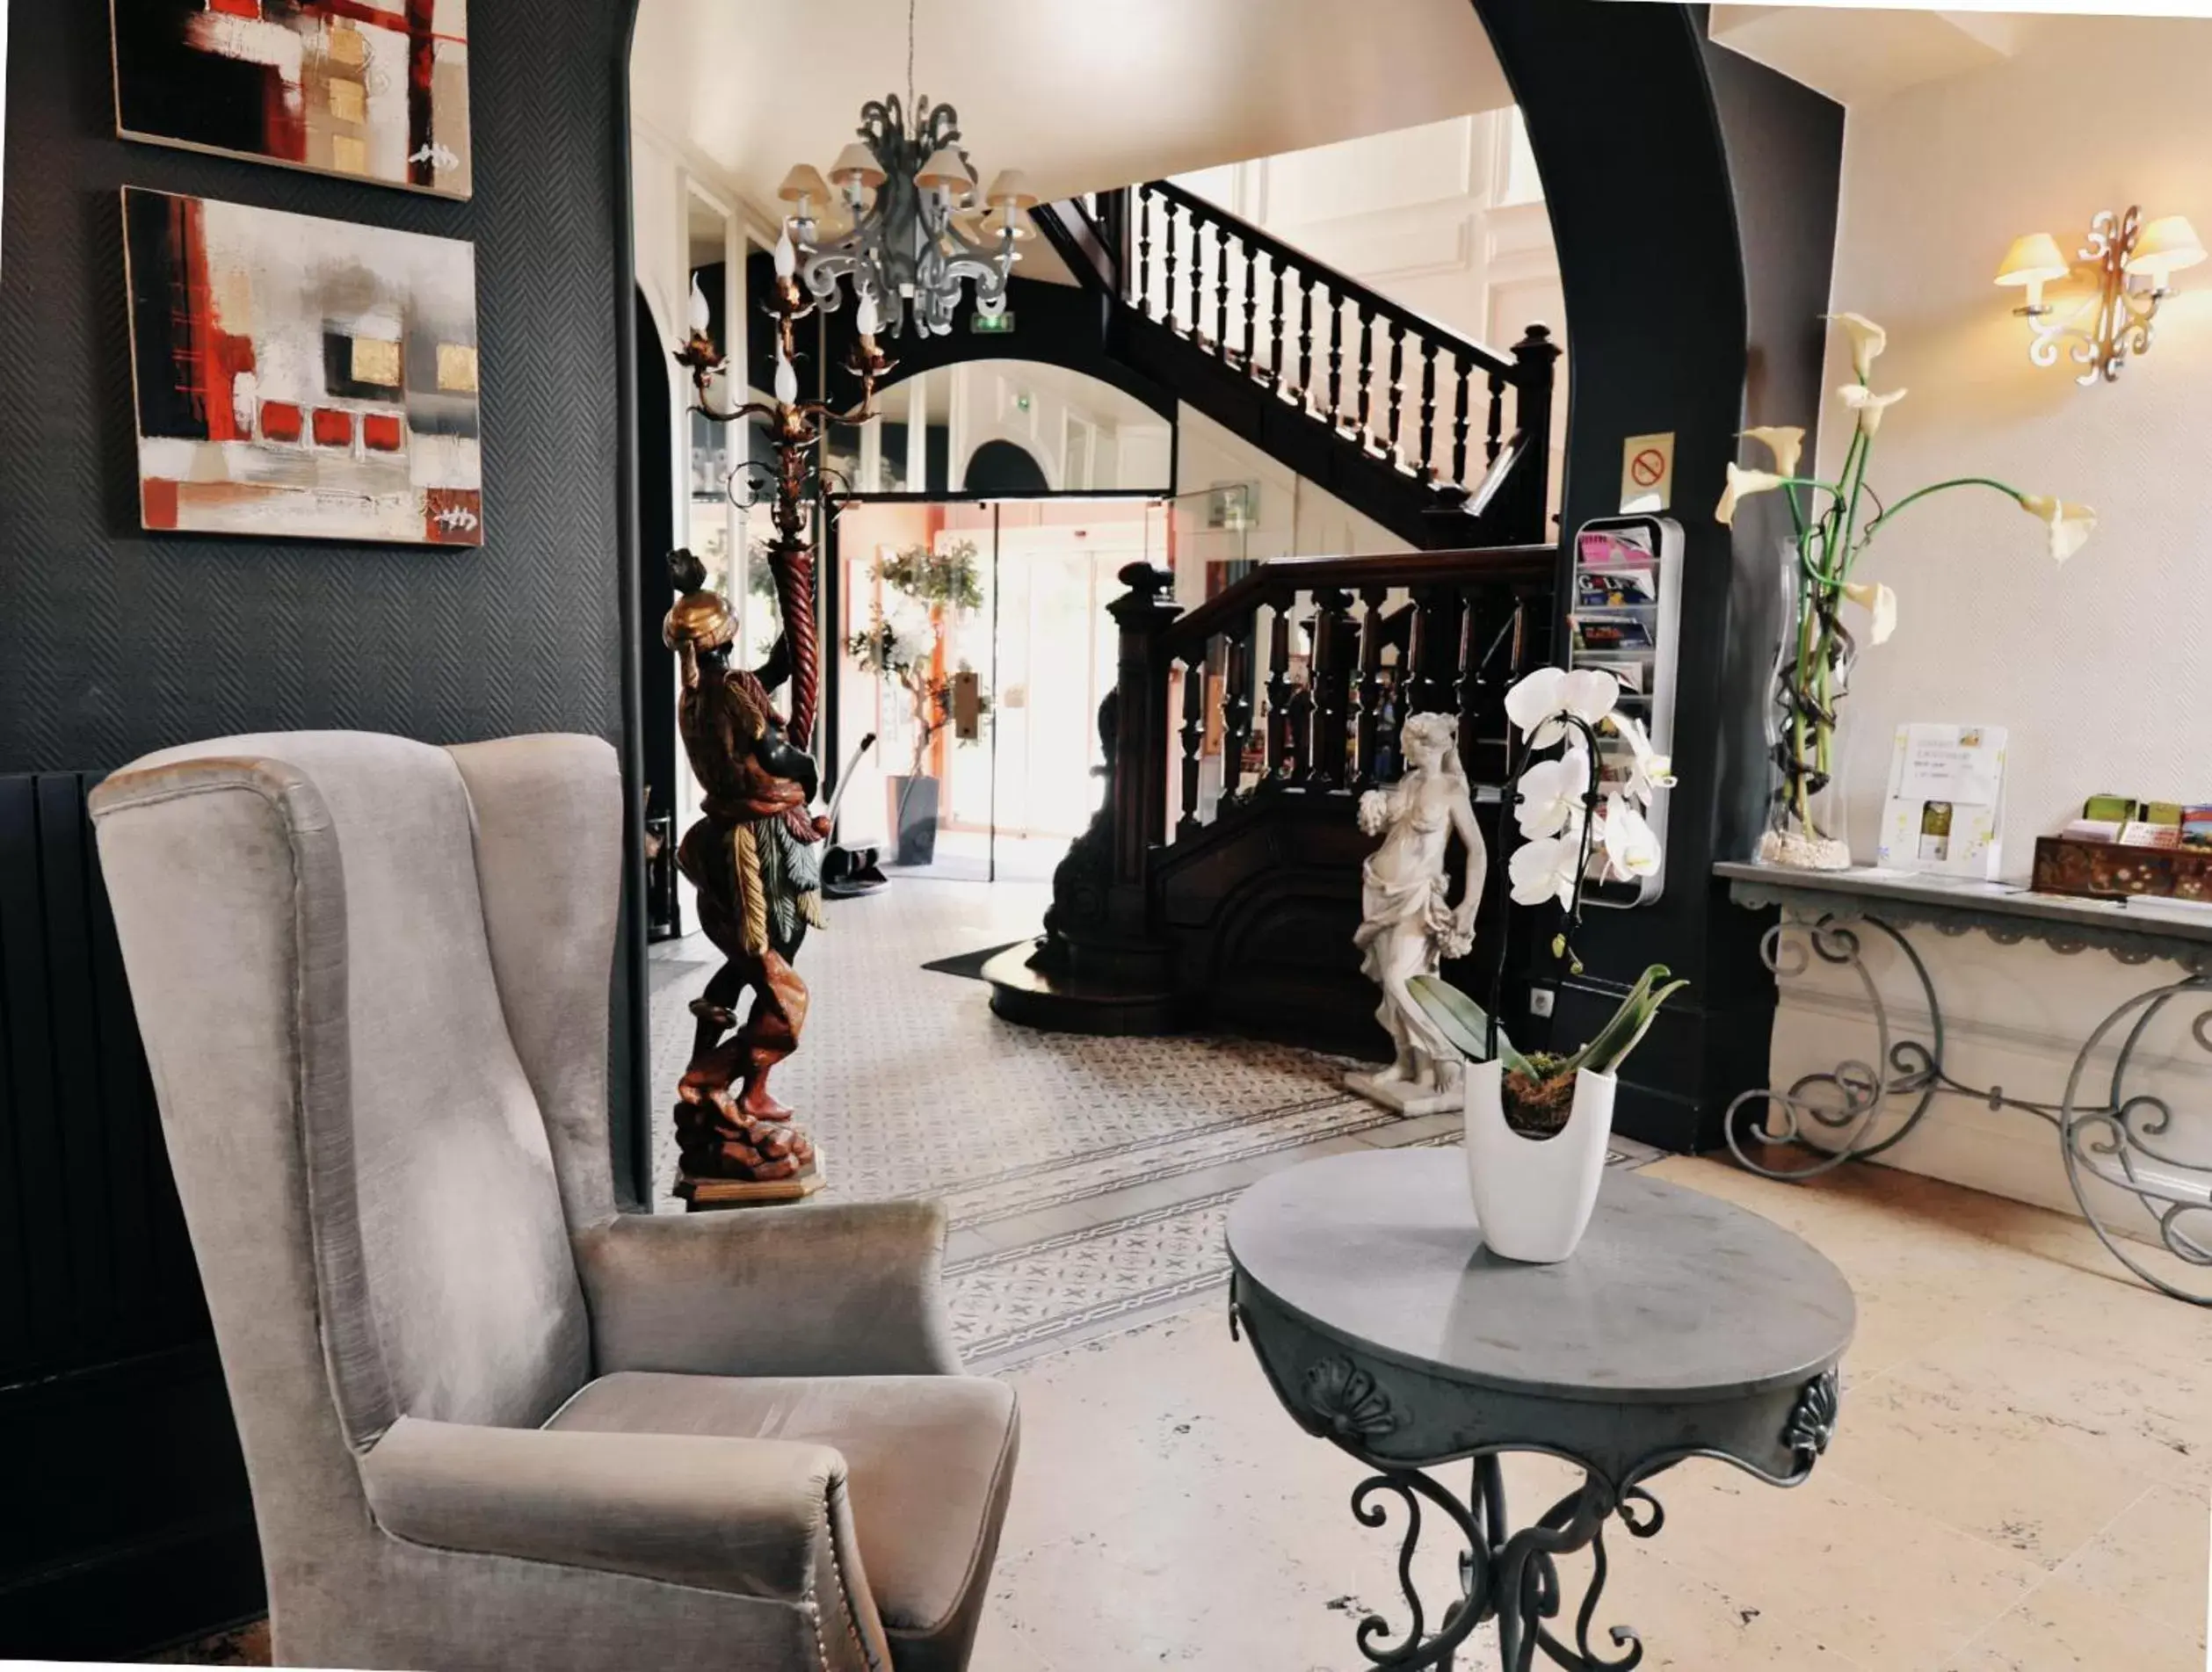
{"points": [[2105, 1135], [1683, 1327]]}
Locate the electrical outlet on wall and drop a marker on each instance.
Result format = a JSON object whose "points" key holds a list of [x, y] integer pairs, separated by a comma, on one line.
{"points": [[1540, 1001]]}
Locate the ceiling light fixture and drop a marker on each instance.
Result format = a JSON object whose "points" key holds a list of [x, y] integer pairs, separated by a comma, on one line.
{"points": [[921, 227], [2134, 264]]}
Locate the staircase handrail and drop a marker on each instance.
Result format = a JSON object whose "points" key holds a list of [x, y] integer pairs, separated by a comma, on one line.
{"points": [[1277, 581], [1342, 284]]}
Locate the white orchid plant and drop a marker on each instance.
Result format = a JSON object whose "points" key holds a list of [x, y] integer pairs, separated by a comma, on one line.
{"points": [[1572, 825], [1832, 535]]}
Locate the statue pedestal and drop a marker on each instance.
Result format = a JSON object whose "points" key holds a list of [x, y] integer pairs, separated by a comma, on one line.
{"points": [[713, 1194], [1396, 1094]]}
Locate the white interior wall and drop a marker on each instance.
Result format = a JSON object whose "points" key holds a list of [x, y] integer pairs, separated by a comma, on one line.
{"points": [[2099, 669]]}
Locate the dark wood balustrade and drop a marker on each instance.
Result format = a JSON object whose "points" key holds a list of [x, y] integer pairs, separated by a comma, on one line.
{"points": [[1399, 387], [1221, 876]]}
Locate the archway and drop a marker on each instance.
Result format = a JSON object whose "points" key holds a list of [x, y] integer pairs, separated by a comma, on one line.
{"points": [[1001, 467]]}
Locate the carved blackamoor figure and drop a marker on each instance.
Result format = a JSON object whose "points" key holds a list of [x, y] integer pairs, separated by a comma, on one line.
{"points": [[754, 859], [1408, 925]]}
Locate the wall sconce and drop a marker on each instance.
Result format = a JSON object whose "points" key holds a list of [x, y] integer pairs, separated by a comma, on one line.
{"points": [[2134, 264]]}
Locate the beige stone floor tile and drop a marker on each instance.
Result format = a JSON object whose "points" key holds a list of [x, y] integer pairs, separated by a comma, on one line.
{"points": [[1964, 1454], [2064, 1626], [2152, 1560], [2109, 1363], [1872, 1580]]}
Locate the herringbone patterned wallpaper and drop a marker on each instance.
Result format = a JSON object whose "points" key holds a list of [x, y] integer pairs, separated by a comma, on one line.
{"points": [[114, 642]]}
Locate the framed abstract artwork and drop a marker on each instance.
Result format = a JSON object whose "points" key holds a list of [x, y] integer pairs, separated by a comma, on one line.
{"points": [[302, 378], [373, 89]]}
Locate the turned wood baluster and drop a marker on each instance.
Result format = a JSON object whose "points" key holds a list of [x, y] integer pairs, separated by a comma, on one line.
{"points": [[1331, 681], [1367, 371], [1397, 390], [1305, 339], [1144, 252], [1198, 278], [1275, 324], [1432, 650], [1168, 212], [1279, 689], [1251, 306], [1194, 739], [1221, 291], [1491, 443], [1367, 735], [1427, 467], [1336, 359], [1462, 374], [1237, 712]]}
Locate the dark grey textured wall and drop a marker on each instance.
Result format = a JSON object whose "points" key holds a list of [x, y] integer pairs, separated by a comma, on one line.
{"points": [[112, 642]]}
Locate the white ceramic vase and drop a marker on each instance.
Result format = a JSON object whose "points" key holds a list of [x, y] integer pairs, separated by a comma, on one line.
{"points": [[1534, 1195]]}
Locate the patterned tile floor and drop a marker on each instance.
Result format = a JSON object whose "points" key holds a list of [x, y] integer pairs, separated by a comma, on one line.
{"points": [[1087, 1179]]}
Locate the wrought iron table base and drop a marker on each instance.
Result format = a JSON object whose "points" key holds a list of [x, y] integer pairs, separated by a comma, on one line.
{"points": [[1513, 1578], [2117, 1141]]}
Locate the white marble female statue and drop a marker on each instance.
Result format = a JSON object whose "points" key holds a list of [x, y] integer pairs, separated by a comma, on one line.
{"points": [[1408, 925]]}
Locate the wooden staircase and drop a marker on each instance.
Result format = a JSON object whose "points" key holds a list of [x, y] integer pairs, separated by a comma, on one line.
{"points": [[1442, 440], [1219, 883]]}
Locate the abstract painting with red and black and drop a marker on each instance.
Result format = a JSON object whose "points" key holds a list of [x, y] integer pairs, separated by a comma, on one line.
{"points": [[302, 378], [375, 89]]}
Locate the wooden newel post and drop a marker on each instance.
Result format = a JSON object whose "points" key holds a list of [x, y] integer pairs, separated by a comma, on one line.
{"points": [[1524, 503], [1139, 758]]}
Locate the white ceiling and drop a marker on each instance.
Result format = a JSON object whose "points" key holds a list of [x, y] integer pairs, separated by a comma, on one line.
{"points": [[1860, 56], [1081, 95]]}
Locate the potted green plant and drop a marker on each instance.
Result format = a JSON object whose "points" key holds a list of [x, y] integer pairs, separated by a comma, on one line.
{"points": [[1538, 1123], [931, 589]]}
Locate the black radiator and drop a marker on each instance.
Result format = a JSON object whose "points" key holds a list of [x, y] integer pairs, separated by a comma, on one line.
{"points": [[127, 1522]]}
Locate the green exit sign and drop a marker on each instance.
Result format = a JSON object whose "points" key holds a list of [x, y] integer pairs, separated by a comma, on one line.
{"points": [[992, 324]]}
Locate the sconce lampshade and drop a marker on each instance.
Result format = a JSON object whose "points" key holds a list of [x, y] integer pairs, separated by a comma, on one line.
{"points": [[945, 169], [1010, 189], [856, 162], [2032, 260], [2163, 247], [804, 182]]}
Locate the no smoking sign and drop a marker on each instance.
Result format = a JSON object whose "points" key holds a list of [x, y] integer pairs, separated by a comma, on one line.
{"points": [[1646, 473]]}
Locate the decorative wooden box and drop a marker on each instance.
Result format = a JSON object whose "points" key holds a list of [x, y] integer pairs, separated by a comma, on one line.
{"points": [[2066, 865]]}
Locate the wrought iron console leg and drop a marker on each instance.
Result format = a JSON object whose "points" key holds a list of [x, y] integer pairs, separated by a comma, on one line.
{"points": [[2125, 1144], [1854, 1093]]}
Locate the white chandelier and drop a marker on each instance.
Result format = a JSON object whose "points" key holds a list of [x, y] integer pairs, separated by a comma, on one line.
{"points": [[920, 227]]}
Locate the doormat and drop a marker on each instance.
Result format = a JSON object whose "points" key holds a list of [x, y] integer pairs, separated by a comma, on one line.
{"points": [[970, 965]]}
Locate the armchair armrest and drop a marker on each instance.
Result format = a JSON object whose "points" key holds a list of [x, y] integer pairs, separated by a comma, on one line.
{"points": [[751, 1517], [849, 1290]]}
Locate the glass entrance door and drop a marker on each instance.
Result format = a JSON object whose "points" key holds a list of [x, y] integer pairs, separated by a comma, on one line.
{"points": [[974, 643]]}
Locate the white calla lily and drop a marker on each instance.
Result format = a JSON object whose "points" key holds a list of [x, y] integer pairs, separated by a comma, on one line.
{"points": [[1632, 847], [1742, 484], [1785, 441], [1868, 405], [2068, 526], [1539, 698], [1547, 869], [1867, 340], [1552, 794], [1877, 600]]}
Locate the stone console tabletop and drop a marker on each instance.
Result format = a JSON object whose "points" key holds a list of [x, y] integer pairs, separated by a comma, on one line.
{"points": [[2111, 1141]]}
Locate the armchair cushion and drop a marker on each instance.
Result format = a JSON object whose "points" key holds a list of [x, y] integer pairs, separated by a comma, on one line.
{"points": [[849, 1289], [930, 1461]]}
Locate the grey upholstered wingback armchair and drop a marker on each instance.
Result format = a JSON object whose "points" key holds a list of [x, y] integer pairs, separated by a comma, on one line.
{"points": [[490, 1423]]}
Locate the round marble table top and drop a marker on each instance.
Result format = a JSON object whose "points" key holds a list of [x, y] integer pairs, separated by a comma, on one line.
{"points": [[1671, 1295]]}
